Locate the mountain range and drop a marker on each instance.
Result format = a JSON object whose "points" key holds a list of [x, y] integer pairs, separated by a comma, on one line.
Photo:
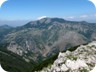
{"points": [[41, 39]]}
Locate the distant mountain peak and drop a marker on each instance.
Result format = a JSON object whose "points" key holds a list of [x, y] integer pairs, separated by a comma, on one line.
{"points": [[84, 21], [48, 20], [5, 26], [51, 19], [43, 22]]}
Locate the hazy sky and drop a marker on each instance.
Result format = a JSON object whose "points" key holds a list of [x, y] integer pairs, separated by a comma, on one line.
{"points": [[26, 10]]}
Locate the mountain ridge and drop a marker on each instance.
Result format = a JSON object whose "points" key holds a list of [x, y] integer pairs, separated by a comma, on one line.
{"points": [[43, 38]]}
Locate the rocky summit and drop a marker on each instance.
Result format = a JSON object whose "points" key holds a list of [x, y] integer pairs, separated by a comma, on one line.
{"points": [[83, 59]]}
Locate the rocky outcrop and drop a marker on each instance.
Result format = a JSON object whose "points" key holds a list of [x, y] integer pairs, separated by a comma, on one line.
{"points": [[83, 59]]}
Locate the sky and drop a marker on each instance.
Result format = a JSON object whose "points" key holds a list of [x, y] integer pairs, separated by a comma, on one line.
{"points": [[19, 12]]}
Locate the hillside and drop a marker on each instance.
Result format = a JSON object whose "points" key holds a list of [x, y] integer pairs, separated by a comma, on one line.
{"points": [[40, 39], [81, 58], [12, 62]]}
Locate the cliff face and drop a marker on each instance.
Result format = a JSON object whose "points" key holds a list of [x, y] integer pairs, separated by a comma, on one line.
{"points": [[83, 59]]}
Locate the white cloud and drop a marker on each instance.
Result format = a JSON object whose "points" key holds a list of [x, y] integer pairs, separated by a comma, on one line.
{"points": [[41, 17], [83, 16]]}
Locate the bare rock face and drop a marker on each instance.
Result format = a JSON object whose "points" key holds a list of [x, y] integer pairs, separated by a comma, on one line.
{"points": [[83, 59]]}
